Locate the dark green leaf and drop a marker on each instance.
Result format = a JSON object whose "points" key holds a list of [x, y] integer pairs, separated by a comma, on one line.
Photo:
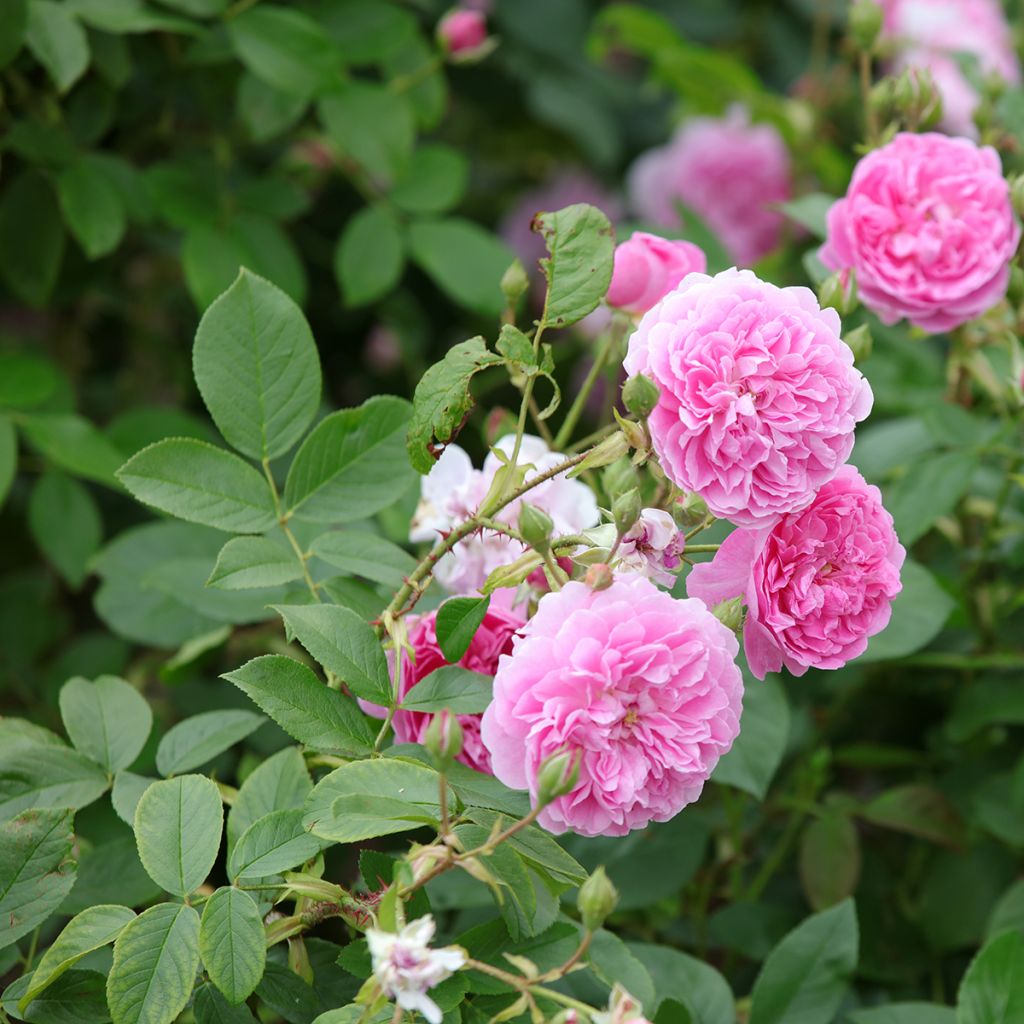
{"points": [[13, 22], [692, 983], [904, 1013], [57, 41], [210, 1007], [272, 844], [370, 256], [48, 777], [246, 563], [919, 810], [930, 489], [279, 783], [757, 751], [78, 997], [92, 205], [232, 943], [31, 237], [433, 181], [457, 621], [8, 456], [66, 525], [829, 860], [25, 380]]}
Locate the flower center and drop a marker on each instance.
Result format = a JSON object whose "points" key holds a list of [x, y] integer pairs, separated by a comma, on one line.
{"points": [[631, 716]]}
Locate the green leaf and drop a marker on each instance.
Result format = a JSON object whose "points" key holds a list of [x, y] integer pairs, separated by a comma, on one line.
{"points": [[918, 810], [25, 380], [919, 612], [75, 445], [108, 720], [931, 488], [829, 860], [344, 644], [266, 110], [155, 962], [581, 243], [275, 843], [1008, 912], [210, 1007], [457, 689], [200, 483], [903, 1013], [804, 979], [696, 985], [91, 929], [257, 367], [287, 49], [614, 963], [65, 523], [304, 707], [245, 563], [13, 22], [37, 869], [31, 237], [458, 619], [372, 125], [755, 755], [443, 401], [57, 41], [534, 845], [202, 737], [92, 205], [232, 944], [78, 997], [8, 456], [352, 465], [355, 818], [111, 872], [810, 212], [287, 994], [464, 260], [177, 828], [433, 181], [48, 777], [364, 554], [992, 990], [370, 256], [281, 782]]}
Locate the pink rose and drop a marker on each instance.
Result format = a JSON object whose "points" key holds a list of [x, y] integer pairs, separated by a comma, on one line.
{"points": [[928, 226], [648, 267], [729, 172], [461, 30], [817, 585], [491, 640], [641, 686], [759, 396]]}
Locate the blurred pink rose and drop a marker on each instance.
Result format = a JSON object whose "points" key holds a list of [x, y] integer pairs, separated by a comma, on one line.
{"points": [[817, 585], [461, 30], [728, 171], [759, 395], [648, 267], [643, 687], [928, 226]]}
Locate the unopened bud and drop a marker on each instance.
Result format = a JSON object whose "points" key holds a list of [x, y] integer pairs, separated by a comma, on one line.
{"points": [[599, 576], [611, 448], [865, 24], [596, 900], [881, 98], [514, 282], [443, 738], [839, 291], [618, 477], [640, 395], [557, 775], [860, 342], [690, 510], [626, 510], [535, 526], [730, 613], [916, 98]]}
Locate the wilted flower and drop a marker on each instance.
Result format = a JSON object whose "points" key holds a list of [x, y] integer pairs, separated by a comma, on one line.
{"points": [[653, 547], [622, 1009]]}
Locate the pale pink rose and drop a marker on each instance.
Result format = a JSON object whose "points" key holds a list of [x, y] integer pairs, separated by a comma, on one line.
{"points": [[653, 546], [461, 30], [642, 687], [730, 172], [928, 226], [648, 267], [759, 395], [817, 585], [492, 639]]}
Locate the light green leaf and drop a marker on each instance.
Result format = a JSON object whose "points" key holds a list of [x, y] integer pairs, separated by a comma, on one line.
{"points": [[75, 445], [155, 962], [275, 843], [177, 829], [91, 929], [353, 464], [200, 483], [266, 110], [31, 237], [804, 979], [251, 562], [581, 242], [281, 782], [37, 869], [57, 41], [232, 943], [370, 256], [810, 211], [202, 737], [457, 689], [930, 489], [65, 523], [464, 260], [433, 181], [344, 644], [309, 711], [257, 367], [8, 456], [457, 621], [992, 990], [364, 554], [48, 777], [355, 818], [92, 205], [127, 792], [443, 400], [756, 753], [108, 720], [918, 613]]}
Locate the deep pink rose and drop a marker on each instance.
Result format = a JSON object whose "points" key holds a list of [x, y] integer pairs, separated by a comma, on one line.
{"points": [[928, 226], [759, 395], [647, 268], [817, 585], [491, 640], [461, 30], [642, 686], [730, 172]]}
